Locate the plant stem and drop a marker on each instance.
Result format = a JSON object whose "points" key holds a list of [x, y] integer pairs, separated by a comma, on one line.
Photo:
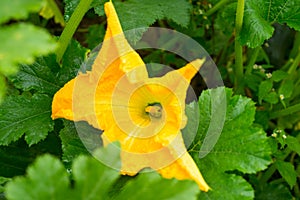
{"points": [[286, 111], [296, 45], [271, 170], [295, 63], [239, 71], [266, 176], [219, 5], [71, 27]]}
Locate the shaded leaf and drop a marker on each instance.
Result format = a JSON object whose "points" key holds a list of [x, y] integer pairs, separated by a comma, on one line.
{"points": [[293, 143], [72, 61], [38, 76], [286, 88], [131, 16], [45, 75], [226, 16], [22, 115], [72, 146], [264, 89], [271, 97], [3, 181], [287, 171], [69, 8], [278, 75], [15, 158], [137, 15], [272, 191], [95, 35]]}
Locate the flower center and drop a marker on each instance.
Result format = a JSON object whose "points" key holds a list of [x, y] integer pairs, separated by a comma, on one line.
{"points": [[154, 110]]}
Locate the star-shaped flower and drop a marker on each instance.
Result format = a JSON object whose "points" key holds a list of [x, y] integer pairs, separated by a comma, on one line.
{"points": [[144, 114]]}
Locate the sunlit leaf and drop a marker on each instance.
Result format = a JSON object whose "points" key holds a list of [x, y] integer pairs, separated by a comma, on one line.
{"points": [[21, 43], [18, 9], [241, 146]]}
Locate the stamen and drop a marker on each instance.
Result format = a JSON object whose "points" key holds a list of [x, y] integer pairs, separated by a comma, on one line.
{"points": [[154, 110]]}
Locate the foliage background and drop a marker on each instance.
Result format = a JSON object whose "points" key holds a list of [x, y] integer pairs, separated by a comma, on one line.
{"points": [[256, 46]]}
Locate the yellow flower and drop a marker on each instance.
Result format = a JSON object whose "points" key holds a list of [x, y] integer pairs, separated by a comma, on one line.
{"points": [[144, 114]]}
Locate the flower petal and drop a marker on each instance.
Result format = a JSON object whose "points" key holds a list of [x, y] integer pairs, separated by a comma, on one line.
{"points": [[116, 48], [75, 101], [184, 167]]}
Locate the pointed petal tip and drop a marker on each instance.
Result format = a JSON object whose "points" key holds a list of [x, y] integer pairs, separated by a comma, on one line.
{"points": [[113, 24], [198, 63], [189, 70]]}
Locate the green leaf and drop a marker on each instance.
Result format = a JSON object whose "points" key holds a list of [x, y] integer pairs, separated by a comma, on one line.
{"points": [[136, 13], [15, 158], [92, 178], [95, 35], [259, 15], [153, 186], [72, 146], [226, 16], [255, 28], [22, 115], [72, 61], [278, 75], [264, 89], [271, 97], [188, 133], [139, 14], [211, 119], [227, 187], [262, 118], [3, 181], [285, 12], [287, 171], [2, 88], [286, 88], [46, 179], [45, 75], [18, 9], [69, 8], [272, 191], [293, 143], [20, 44], [38, 76], [241, 147]]}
